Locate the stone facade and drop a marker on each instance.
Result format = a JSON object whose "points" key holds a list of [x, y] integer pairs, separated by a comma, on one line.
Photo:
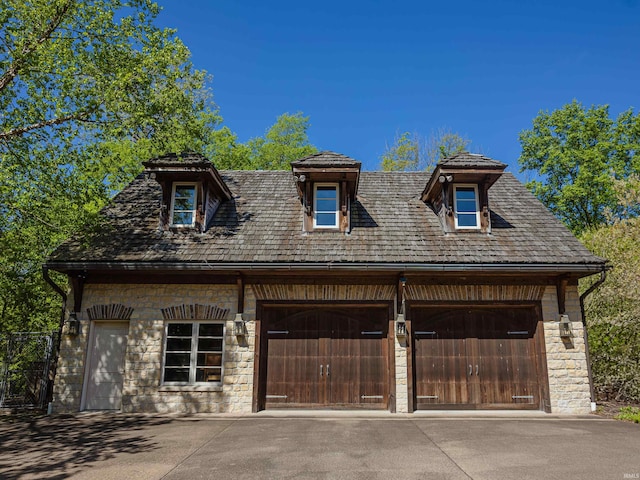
{"points": [[569, 388], [142, 390]]}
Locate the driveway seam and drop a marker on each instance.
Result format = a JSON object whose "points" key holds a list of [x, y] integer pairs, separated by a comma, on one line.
{"points": [[199, 448], [443, 452]]}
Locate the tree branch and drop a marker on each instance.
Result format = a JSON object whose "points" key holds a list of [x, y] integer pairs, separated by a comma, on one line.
{"points": [[18, 132], [15, 67]]}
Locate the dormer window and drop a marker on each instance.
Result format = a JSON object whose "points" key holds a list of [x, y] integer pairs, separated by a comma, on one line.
{"points": [[466, 209], [327, 183], [457, 192], [325, 205], [192, 191], [183, 206]]}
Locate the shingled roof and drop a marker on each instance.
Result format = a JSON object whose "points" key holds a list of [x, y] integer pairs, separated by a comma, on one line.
{"points": [[261, 224], [326, 159], [470, 160]]}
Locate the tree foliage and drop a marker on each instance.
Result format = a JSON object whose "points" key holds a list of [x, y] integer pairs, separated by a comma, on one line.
{"points": [[285, 141], [87, 90], [412, 151], [613, 311], [577, 155]]}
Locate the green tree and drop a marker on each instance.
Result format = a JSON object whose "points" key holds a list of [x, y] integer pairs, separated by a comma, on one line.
{"points": [[88, 89], [412, 151], [576, 155], [613, 311], [285, 141]]}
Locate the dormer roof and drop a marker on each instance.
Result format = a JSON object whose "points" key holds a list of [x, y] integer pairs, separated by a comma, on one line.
{"points": [[327, 166], [471, 160], [326, 159], [187, 167], [462, 167]]}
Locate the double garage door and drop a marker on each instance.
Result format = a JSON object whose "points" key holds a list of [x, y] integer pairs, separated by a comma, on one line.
{"points": [[326, 357], [460, 357], [477, 358]]}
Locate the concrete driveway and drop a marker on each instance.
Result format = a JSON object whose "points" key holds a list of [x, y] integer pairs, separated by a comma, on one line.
{"points": [[325, 445]]}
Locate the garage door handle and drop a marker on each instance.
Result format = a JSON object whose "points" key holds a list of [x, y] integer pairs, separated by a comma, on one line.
{"points": [[476, 370], [470, 370], [320, 370], [327, 369]]}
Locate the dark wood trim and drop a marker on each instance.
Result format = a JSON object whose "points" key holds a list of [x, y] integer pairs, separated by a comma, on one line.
{"points": [[77, 285], [473, 303], [240, 294], [323, 303], [259, 376], [321, 278], [561, 289], [162, 277]]}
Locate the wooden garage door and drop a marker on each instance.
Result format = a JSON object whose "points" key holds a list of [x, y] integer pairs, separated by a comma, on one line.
{"points": [[475, 358], [326, 357]]}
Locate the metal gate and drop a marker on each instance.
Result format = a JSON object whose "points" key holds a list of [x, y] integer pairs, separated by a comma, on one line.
{"points": [[26, 366]]}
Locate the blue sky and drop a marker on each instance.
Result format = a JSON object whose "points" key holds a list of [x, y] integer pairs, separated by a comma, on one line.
{"points": [[364, 70]]}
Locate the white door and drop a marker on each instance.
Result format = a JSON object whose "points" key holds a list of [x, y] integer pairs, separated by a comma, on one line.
{"points": [[106, 366]]}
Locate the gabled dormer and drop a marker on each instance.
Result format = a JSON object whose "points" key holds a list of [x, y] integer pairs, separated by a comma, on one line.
{"points": [[192, 190], [458, 191], [327, 184]]}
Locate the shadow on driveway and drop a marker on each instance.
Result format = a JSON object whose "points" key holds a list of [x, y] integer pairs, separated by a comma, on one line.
{"points": [[57, 447]]}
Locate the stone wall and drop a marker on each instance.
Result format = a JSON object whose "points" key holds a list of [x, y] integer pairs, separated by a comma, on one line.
{"points": [[566, 361], [569, 388], [142, 391]]}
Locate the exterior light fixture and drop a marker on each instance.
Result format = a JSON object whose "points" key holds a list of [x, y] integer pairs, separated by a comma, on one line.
{"points": [[565, 327], [401, 327], [239, 326], [73, 324]]}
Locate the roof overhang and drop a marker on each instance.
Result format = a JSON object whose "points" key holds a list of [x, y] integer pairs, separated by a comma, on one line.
{"points": [[487, 175], [578, 269]]}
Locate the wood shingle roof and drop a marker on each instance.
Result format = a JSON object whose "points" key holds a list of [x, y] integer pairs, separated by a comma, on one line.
{"points": [[390, 225]]}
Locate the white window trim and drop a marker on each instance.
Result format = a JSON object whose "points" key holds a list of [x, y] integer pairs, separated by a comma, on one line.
{"points": [[194, 355], [315, 209], [173, 201], [455, 206]]}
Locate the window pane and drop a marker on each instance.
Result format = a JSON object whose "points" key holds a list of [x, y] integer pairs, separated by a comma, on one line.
{"points": [[186, 191], [183, 204], [208, 374], [326, 206], [326, 219], [179, 329], [326, 192], [182, 218], [210, 344], [176, 375], [178, 359], [466, 220], [466, 206], [209, 359], [465, 193], [178, 344], [211, 330]]}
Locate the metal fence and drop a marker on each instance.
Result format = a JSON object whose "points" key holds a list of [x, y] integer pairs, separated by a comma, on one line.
{"points": [[26, 369]]}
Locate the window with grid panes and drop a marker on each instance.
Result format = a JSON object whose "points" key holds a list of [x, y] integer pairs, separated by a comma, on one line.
{"points": [[193, 353]]}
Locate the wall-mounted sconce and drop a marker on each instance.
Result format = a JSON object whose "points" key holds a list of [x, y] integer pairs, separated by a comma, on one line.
{"points": [[565, 327], [73, 324], [401, 327], [239, 326]]}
